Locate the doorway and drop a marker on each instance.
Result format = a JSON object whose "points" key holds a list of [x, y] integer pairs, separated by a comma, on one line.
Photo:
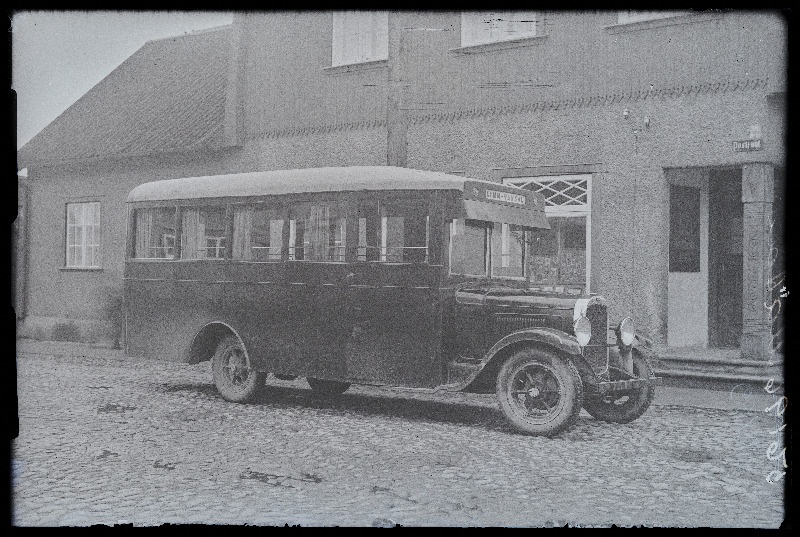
{"points": [[725, 258]]}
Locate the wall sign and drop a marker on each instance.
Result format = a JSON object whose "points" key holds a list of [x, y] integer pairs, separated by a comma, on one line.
{"points": [[747, 145]]}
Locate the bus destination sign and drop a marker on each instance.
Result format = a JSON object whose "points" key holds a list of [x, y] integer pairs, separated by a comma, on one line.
{"points": [[506, 197]]}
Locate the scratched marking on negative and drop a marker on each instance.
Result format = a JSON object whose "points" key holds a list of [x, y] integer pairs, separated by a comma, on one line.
{"points": [[775, 452]]}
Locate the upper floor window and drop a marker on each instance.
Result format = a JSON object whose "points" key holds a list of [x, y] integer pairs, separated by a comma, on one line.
{"points": [[482, 27], [83, 235], [360, 36], [155, 233], [626, 17], [203, 233]]}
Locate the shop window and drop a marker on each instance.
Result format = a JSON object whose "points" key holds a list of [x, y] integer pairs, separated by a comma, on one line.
{"points": [[203, 233], [684, 229], [478, 28], [257, 234], [393, 231], [559, 258], [155, 233], [316, 232], [83, 235], [360, 36]]}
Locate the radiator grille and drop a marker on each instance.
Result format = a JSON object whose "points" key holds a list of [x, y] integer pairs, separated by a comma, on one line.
{"points": [[596, 352]]}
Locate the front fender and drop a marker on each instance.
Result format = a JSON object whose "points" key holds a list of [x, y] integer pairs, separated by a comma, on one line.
{"points": [[492, 361]]}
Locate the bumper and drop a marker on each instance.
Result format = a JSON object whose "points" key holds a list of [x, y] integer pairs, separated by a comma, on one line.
{"points": [[620, 385]]}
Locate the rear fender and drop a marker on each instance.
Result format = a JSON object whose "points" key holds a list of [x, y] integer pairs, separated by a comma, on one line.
{"points": [[485, 373]]}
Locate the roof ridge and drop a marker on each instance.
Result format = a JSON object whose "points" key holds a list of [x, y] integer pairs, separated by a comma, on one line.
{"points": [[191, 33]]}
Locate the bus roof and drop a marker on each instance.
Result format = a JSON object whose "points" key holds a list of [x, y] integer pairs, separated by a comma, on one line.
{"points": [[333, 179]]}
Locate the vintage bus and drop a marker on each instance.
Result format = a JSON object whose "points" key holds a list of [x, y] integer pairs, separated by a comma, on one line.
{"points": [[371, 275]]}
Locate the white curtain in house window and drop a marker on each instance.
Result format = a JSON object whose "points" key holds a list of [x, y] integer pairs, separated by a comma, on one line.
{"points": [[492, 26], [360, 36], [242, 229]]}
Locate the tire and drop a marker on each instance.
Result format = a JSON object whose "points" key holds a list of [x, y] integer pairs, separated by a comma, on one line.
{"points": [[234, 379], [327, 387], [624, 407], [540, 392]]}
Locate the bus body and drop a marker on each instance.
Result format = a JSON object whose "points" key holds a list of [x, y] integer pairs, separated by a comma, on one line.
{"points": [[371, 275]]}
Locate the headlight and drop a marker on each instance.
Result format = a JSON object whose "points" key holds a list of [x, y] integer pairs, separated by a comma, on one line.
{"points": [[583, 331], [626, 331]]}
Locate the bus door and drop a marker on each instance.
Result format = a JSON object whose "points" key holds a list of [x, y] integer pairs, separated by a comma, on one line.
{"points": [[393, 295]]}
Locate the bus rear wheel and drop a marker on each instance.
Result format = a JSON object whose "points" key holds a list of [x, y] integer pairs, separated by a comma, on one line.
{"points": [[234, 379], [328, 387], [540, 392]]}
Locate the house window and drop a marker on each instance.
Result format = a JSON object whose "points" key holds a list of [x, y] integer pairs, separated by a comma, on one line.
{"points": [[478, 28], [560, 257], [203, 233], [83, 235], [626, 17], [684, 229], [155, 233], [360, 36]]}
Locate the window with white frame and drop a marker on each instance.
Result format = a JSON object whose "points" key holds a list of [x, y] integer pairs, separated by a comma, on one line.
{"points": [[626, 17], [83, 235], [560, 258], [478, 28], [360, 36]]}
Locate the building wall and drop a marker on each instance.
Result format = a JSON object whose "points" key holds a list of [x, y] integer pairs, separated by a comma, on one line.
{"points": [[72, 303], [630, 194]]}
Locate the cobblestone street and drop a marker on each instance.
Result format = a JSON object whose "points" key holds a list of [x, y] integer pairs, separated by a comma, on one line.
{"points": [[107, 441]]}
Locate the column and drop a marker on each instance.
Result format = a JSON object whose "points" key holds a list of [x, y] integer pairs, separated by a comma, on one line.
{"points": [[757, 196]]}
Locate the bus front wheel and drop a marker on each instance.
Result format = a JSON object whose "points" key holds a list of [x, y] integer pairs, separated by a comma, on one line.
{"points": [[233, 377], [540, 392]]}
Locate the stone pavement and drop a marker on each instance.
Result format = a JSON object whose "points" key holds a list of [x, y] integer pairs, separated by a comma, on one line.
{"points": [[107, 440]]}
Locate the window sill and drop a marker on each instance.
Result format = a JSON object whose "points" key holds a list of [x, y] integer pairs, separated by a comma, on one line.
{"points": [[626, 27], [80, 269], [355, 67], [500, 45]]}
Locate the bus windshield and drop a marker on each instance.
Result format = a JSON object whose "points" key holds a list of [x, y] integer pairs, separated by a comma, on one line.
{"points": [[479, 248]]}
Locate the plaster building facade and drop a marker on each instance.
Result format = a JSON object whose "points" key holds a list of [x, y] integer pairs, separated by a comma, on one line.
{"points": [[657, 139]]}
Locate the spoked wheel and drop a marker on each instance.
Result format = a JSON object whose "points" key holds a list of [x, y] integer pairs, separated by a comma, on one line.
{"points": [[233, 377], [624, 406], [539, 392], [328, 387]]}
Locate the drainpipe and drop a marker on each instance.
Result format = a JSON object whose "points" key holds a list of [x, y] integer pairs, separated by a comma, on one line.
{"points": [[396, 121]]}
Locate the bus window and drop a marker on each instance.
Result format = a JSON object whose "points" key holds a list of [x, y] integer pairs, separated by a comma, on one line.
{"points": [[469, 247], [508, 251], [155, 233], [257, 234], [203, 233], [393, 232], [316, 232]]}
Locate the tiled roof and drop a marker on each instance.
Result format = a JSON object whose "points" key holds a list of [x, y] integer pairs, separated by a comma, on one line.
{"points": [[168, 96]]}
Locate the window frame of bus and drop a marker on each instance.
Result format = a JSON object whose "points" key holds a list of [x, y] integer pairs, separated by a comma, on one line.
{"points": [[435, 202], [432, 202]]}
